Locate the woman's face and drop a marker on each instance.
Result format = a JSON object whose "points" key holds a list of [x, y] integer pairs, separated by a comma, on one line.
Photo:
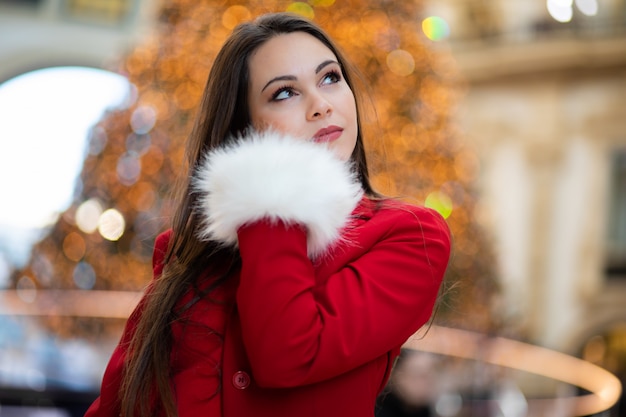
{"points": [[296, 87]]}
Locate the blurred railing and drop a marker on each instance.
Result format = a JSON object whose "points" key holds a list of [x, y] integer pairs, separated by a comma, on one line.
{"points": [[603, 387], [79, 303]]}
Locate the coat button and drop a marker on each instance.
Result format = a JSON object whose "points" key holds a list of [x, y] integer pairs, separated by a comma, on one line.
{"points": [[241, 380]]}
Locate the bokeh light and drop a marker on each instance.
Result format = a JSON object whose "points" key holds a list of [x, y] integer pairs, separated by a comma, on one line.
{"points": [[321, 3], [401, 62], [435, 28], [561, 3], [440, 202], [84, 276], [587, 7], [74, 246], [128, 169], [87, 215], [235, 15], [560, 10], [111, 224], [301, 8], [143, 119]]}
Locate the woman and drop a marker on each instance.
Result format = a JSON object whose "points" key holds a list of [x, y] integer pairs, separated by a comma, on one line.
{"points": [[286, 285]]}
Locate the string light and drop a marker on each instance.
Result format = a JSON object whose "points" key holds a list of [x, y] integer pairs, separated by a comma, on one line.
{"points": [[605, 389]]}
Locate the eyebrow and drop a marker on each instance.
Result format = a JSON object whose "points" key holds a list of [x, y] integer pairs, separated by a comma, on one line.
{"points": [[319, 68]]}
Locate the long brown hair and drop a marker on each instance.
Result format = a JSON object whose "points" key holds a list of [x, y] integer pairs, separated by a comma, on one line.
{"points": [[223, 115]]}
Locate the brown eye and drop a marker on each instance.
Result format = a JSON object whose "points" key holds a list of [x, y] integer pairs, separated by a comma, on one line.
{"points": [[331, 77], [283, 93]]}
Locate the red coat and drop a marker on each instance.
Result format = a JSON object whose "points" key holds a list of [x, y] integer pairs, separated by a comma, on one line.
{"points": [[304, 338]]}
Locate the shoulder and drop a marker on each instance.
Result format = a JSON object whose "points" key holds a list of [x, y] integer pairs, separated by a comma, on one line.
{"points": [[411, 227], [401, 214], [399, 226]]}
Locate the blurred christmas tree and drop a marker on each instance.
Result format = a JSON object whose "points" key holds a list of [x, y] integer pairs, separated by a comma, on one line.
{"points": [[104, 240]]}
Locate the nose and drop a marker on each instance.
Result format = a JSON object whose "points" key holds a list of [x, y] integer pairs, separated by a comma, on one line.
{"points": [[319, 107]]}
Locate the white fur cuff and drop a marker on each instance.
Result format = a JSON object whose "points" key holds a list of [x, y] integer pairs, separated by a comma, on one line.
{"points": [[266, 175]]}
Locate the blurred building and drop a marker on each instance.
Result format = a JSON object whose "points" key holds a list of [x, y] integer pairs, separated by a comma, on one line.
{"points": [[40, 374], [36, 34], [545, 107]]}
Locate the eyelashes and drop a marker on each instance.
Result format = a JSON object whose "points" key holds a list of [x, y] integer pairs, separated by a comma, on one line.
{"points": [[282, 93], [334, 74], [286, 91]]}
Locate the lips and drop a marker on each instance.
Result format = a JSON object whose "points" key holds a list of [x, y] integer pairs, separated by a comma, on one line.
{"points": [[328, 134]]}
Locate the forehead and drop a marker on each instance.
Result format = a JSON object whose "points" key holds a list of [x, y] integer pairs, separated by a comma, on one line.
{"points": [[289, 53]]}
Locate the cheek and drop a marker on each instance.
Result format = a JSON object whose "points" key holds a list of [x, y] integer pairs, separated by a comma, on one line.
{"points": [[261, 121], [262, 118], [259, 124], [348, 103], [280, 122], [351, 116], [276, 124], [353, 107]]}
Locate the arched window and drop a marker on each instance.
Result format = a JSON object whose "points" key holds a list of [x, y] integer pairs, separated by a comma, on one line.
{"points": [[45, 117]]}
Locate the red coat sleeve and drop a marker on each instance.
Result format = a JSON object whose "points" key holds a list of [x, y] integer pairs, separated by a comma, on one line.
{"points": [[108, 403], [296, 332]]}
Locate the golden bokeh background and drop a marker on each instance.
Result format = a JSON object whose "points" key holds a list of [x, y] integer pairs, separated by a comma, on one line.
{"points": [[104, 240]]}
